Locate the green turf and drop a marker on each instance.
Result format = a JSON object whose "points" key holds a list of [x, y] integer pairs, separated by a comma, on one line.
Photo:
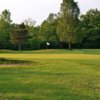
{"points": [[54, 51], [52, 75]]}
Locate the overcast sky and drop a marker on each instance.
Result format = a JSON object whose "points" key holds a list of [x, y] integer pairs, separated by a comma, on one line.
{"points": [[40, 9]]}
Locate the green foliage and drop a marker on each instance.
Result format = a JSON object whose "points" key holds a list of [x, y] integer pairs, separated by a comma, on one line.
{"points": [[91, 28], [6, 16], [48, 32], [66, 29], [30, 25], [5, 26], [20, 35], [68, 21], [34, 44]]}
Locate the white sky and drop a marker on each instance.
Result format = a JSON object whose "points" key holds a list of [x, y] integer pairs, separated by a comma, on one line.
{"points": [[40, 9]]}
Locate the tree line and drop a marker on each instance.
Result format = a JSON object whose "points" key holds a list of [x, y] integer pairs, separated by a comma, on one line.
{"points": [[67, 29]]}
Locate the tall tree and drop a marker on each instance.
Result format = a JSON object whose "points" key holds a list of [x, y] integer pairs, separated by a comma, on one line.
{"points": [[91, 29], [6, 16], [47, 31], [33, 42], [68, 21], [5, 26], [52, 18], [19, 36], [30, 25]]}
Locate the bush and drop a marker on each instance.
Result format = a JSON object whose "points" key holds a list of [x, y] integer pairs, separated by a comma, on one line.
{"points": [[34, 44]]}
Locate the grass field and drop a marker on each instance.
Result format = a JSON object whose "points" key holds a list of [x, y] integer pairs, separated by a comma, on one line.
{"points": [[52, 75]]}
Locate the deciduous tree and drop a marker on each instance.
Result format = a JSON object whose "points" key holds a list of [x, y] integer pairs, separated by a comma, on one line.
{"points": [[68, 21], [20, 35], [91, 29]]}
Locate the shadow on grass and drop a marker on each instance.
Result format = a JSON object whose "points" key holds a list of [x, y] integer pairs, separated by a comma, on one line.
{"points": [[9, 61]]}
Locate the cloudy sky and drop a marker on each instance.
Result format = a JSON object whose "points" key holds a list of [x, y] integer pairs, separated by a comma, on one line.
{"points": [[40, 9]]}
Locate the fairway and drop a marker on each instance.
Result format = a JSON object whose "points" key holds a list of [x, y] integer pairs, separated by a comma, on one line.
{"points": [[51, 75]]}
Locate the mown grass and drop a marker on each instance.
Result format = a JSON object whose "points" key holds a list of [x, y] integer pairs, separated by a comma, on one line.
{"points": [[51, 76], [54, 51]]}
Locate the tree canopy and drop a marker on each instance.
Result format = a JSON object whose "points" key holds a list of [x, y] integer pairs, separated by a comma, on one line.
{"points": [[68, 21], [20, 35], [67, 27]]}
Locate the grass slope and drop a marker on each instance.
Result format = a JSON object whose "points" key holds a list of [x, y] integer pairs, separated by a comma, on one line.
{"points": [[53, 75]]}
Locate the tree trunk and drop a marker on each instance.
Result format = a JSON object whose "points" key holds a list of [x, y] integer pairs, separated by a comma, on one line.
{"points": [[19, 47], [69, 46]]}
